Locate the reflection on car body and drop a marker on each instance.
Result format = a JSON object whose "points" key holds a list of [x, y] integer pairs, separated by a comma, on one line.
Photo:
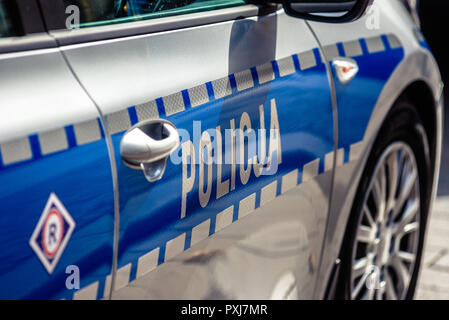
{"points": [[307, 156]]}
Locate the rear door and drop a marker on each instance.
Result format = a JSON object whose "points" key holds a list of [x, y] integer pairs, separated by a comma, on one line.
{"points": [[240, 210], [56, 194]]}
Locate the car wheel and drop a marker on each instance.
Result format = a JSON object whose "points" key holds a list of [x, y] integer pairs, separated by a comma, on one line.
{"points": [[384, 239]]}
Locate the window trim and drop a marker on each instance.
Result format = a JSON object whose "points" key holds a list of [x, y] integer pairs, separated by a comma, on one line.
{"points": [[120, 30], [29, 42], [44, 40]]}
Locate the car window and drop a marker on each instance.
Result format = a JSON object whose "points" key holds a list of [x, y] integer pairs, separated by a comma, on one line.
{"points": [[7, 17], [100, 12]]}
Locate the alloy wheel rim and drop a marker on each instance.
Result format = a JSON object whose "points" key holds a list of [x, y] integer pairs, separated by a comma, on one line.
{"points": [[386, 245]]}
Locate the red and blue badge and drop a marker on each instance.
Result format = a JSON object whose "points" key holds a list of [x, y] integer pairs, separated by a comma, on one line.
{"points": [[52, 233]]}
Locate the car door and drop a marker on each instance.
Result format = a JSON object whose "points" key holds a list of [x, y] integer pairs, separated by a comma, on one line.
{"points": [[56, 194], [241, 206]]}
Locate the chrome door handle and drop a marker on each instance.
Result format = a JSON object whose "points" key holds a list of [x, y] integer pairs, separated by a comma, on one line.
{"points": [[147, 145]]}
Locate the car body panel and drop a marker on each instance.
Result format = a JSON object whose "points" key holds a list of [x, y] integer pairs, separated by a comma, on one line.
{"points": [[52, 146], [260, 74], [258, 237], [416, 64]]}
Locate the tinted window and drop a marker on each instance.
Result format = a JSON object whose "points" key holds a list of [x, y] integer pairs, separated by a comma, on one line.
{"points": [[98, 12], [8, 19]]}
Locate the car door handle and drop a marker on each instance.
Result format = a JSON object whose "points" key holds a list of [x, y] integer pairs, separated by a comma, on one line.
{"points": [[147, 145]]}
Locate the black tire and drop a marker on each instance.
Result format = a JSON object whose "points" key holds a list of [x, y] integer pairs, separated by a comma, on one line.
{"points": [[403, 124]]}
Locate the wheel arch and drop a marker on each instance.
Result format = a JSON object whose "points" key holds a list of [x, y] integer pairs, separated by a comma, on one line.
{"points": [[419, 94], [416, 79]]}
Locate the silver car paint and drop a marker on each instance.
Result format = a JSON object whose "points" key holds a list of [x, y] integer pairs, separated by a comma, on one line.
{"points": [[40, 96], [39, 93], [162, 63], [159, 64], [394, 19], [251, 259], [418, 64], [29, 114]]}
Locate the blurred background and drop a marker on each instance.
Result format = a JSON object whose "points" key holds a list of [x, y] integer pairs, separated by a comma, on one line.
{"points": [[434, 279]]}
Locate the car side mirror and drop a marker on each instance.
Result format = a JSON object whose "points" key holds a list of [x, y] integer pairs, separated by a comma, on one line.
{"points": [[334, 11]]}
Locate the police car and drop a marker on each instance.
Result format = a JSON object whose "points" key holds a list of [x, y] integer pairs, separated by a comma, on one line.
{"points": [[215, 149]]}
